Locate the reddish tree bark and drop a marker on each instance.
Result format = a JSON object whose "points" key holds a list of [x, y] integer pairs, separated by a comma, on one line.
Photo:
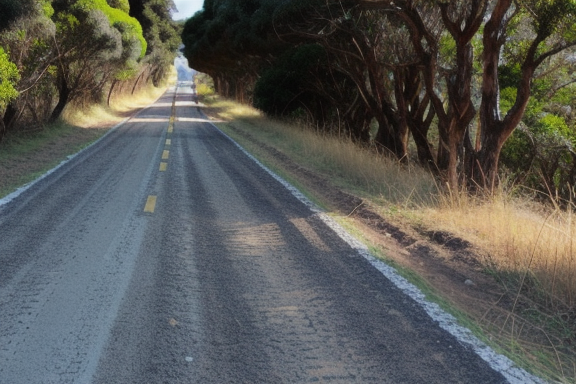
{"points": [[495, 130]]}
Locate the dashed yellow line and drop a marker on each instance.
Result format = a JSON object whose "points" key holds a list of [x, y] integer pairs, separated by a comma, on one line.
{"points": [[150, 204]]}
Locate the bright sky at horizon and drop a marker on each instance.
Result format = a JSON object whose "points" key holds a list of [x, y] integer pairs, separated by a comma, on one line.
{"points": [[187, 8]]}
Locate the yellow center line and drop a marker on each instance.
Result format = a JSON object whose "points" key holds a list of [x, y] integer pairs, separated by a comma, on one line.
{"points": [[163, 166], [165, 155], [168, 141], [170, 129], [150, 204]]}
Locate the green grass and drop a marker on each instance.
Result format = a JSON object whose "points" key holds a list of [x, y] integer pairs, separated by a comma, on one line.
{"points": [[20, 152]]}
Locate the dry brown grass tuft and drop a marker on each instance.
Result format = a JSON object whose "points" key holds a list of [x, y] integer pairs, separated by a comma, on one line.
{"points": [[524, 238]]}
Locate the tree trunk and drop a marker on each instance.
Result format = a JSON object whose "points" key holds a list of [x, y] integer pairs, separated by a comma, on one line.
{"points": [[9, 117], [495, 130], [111, 90], [63, 98], [487, 174], [391, 136]]}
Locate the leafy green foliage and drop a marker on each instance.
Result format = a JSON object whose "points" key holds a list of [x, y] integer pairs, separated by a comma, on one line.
{"points": [[123, 5], [161, 33], [11, 10], [550, 15], [9, 76], [233, 41], [75, 50], [282, 88], [539, 153], [118, 18]]}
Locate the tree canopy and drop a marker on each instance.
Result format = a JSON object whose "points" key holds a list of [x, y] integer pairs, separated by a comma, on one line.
{"points": [[453, 79], [74, 51]]}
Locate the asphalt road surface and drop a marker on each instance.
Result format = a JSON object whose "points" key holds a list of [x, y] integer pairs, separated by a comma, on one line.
{"points": [[164, 254]]}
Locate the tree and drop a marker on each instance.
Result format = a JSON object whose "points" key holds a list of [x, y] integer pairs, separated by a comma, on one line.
{"points": [[410, 62], [551, 30], [8, 78], [161, 33], [232, 42], [29, 44], [11, 10], [93, 42]]}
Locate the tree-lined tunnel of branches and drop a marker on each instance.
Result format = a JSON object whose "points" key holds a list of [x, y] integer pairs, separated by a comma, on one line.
{"points": [[463, 87]]}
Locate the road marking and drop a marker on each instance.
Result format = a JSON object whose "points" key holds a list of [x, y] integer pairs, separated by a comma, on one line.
{"points": [[163, 166], [150, 204], [170, 129], [165, 155], [168, 141]]}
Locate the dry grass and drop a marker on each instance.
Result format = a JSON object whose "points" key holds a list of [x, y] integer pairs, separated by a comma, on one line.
{"points": [[520, 236], [524, 238], [121, 106], [362, 170], [527, 247]]}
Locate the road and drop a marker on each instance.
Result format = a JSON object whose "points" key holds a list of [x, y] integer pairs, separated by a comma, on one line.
{"points": [[164, 254]]}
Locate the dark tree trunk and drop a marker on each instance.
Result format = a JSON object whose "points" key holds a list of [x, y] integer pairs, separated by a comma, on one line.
{"points": [[63, 98], [114, 82], [391, 136], [495, 130], [9, 117]]}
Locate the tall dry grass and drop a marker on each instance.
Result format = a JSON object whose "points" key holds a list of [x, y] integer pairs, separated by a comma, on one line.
{"points": [[362, 170], [528, 240], [121, 106]]}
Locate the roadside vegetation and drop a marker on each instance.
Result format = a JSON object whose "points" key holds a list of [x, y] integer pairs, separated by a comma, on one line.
{"points": [[68, 67], [472, 86], [60, 53], [524, 248]]}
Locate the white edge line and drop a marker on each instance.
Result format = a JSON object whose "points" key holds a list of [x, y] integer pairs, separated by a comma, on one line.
{"points": [[498, 362]]}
